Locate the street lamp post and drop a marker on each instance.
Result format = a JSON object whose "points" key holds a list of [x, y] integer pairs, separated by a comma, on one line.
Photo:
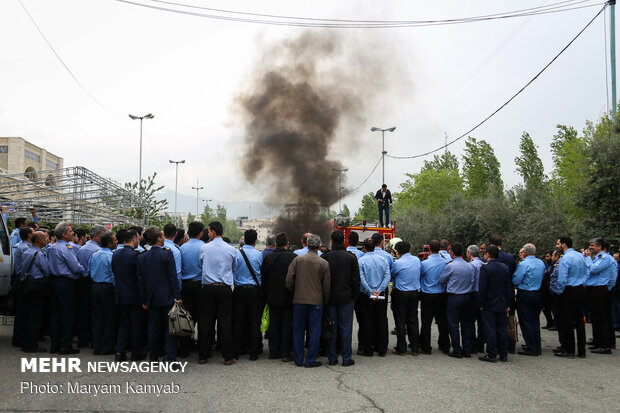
{"points": [[206, 201], [176, 182], [383, 152], [147, 116], [340, 171], [197, 188]]}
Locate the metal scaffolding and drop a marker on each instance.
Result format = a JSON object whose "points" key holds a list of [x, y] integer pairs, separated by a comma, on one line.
{"points": [[74, 194]]}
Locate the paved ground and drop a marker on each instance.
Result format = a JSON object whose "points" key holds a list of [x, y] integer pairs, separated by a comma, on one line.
{"points": [[390, 384]]}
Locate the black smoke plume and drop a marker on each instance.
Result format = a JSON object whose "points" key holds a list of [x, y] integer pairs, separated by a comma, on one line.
{"points": [[305, 95]]}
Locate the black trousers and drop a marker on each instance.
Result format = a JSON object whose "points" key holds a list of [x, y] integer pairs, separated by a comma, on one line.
{"points": [[131, 328], [572, 302], [190, 293], [280, 330], [374, 326], [158, 333], [31, 313], [529, 304], [247, 312], [598, 302], [18, 322], [63, 312], [103, 314], [547, 305], [215, 304], [83, 311], [405, 309], [433, 306]]}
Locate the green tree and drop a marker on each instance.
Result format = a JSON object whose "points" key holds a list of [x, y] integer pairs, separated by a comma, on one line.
{"points": [[446, 161], [429, 189], [190, 217], [146, 190], [529, 165], [369, 210], [481, 169], [345, 211]]}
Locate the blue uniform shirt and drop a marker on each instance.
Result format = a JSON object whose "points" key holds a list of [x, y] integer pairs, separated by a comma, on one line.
{"points": [[63, 262], [268, 251], [572, 270], [18, 255], [431, 269], [406, 273], [100, 266], [242, 273], [218, 261], [459, 276], [529, 274], [553, 281], [304, 250], [190, 260], [374, 273], [85, 253], [14, 238], [359, 254], [387, 255], [477, 264], [602, 270], [445, 255], [176, 253], [40, 266]]}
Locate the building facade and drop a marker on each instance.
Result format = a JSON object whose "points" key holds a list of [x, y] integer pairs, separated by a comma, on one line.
{"points": [[20, 156]]}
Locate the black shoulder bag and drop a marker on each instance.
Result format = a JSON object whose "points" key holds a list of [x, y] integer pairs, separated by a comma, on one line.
{"points": [[31, 285], [247, 262]]}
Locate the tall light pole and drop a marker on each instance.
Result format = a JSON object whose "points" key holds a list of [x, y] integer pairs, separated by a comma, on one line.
{"points": [[340, 171], [383, 152], [176, 182], [206, 201], [197, 188], [147, 116]]}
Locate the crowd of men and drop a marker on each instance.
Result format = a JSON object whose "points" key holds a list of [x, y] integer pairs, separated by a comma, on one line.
{"points": [[115, 295]]}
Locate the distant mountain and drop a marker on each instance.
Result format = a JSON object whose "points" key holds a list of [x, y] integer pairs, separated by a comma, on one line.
{"points": [[250, 209]]}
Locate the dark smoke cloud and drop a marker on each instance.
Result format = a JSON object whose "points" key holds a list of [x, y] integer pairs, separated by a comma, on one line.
{"points": [[306, 95]]}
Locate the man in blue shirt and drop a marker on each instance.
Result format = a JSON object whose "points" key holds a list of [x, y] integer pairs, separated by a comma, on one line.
{"points": [[32, 309], [458, 275], [374, 279], [219, 262], [20, 223], [25, 234], [65, 270], [304, 244], [433, 300], [270, 245], [191, 278], [603, 271], [170, 231], [84, 284], [248, 299], [353, 239], [527, 279], [102, 295], [378, 238], [127, 297], [572, 275], [444, 247], [405, 296], [473, 256]]}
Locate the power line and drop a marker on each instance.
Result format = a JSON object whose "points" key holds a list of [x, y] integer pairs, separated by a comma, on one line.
{"points": [[367, 178], [509, 100], [560, 4], [358, 24], [62, 62]]}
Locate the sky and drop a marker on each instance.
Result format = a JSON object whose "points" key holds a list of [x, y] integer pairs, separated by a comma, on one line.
{"points": [[188, 71]]}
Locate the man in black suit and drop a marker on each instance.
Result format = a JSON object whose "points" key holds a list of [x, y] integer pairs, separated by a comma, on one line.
{"points": [[384, 198], [159, 287], [127, 297], [495, 292], [280, 299], [509, 261]]}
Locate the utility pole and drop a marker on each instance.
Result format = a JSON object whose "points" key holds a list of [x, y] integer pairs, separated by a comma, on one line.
{"points": [[383, 152], [134, 117], [612, 47], [176, 183], [197, 188], [445, 146]]}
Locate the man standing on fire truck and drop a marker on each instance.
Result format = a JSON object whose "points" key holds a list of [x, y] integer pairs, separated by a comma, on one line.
{"points": [[384, 198]]}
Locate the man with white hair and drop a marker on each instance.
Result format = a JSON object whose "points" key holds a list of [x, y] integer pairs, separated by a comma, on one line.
{"points": [[309, 278], [528, 279]]}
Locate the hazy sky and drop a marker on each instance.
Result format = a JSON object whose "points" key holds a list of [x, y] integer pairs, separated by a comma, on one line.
{"points": [[188, 70]]}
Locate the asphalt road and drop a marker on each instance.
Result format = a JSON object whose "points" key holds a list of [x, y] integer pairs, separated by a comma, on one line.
{"points": [[389, 384]]}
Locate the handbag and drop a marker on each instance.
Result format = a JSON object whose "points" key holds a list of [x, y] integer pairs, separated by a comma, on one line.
{"points": [[327, 329], [513, 332], [180, 322], [31, 285], [264, 324]]}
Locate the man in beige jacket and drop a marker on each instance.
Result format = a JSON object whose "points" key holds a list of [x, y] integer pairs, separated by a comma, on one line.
{"points": [[308, 278]]}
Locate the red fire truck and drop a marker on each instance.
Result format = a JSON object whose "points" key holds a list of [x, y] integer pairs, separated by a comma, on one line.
{"points": [[364, 231]]}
